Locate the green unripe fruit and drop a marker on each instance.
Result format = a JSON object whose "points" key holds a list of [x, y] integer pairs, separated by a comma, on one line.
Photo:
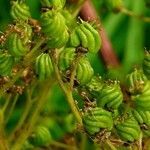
{"points": [[96, 119], [110, 96], [95, 85], [142, 117], [70, 21], [146, 64], [20, 11], [128, 130], [86, 36], [58, 42], [66, 57], [56, 4], [25, 31], [53, 24], [16, 46], [44, 67], [142, 100], [136, 81], [40, 137], [84, 71], [6, 64]]}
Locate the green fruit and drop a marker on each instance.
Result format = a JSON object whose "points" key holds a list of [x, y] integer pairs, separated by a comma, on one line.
{"points": [[25, 30], [56, 4], [58, 42], [6, 64], [142, 117], [44, 67], [16, 45], [53, 24], [128, 129], [142, 100], [20, 11], [86, 36], [110, 96], [95, 85], [146, 64], [84, 71], [96, 119], [136, 81], [66, 57], [40, 137]]}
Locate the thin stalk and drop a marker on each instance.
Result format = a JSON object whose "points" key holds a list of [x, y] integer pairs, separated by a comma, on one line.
{"points": [[6, 103], [3, 141], [62, 145], [132, 14], [11, 109], [112, 147], [67, 91], [78, 7], [27, 109], [32, 120], [73, 70]]}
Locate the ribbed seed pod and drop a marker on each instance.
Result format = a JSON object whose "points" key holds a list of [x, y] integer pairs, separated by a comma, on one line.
{"points": [[20, 11], [135, 81], [142, 117], [146, 64], [110, 96], [84, 71], [146, 133], [95, 85], [96, 119], [40, 137], [128, 130], [66, 57], [53, 24], [58, 42], [44, 67], [86, 36], [25, 30], [56, 4], [142, 100], [70, 21], [16, 46], [6, 64]]}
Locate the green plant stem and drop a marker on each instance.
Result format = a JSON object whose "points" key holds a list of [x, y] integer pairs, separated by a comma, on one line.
{"points": [[62, 145], [132, 14], [112, 147], [83, 142], [6, 103], [3, 141], [66, 89], [18, 142], [77, 7], [73, 70], [27, 109], [11, 108]]}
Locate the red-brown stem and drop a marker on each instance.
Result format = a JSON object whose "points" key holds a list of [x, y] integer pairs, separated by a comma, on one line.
{"points": [[88, 13]]}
